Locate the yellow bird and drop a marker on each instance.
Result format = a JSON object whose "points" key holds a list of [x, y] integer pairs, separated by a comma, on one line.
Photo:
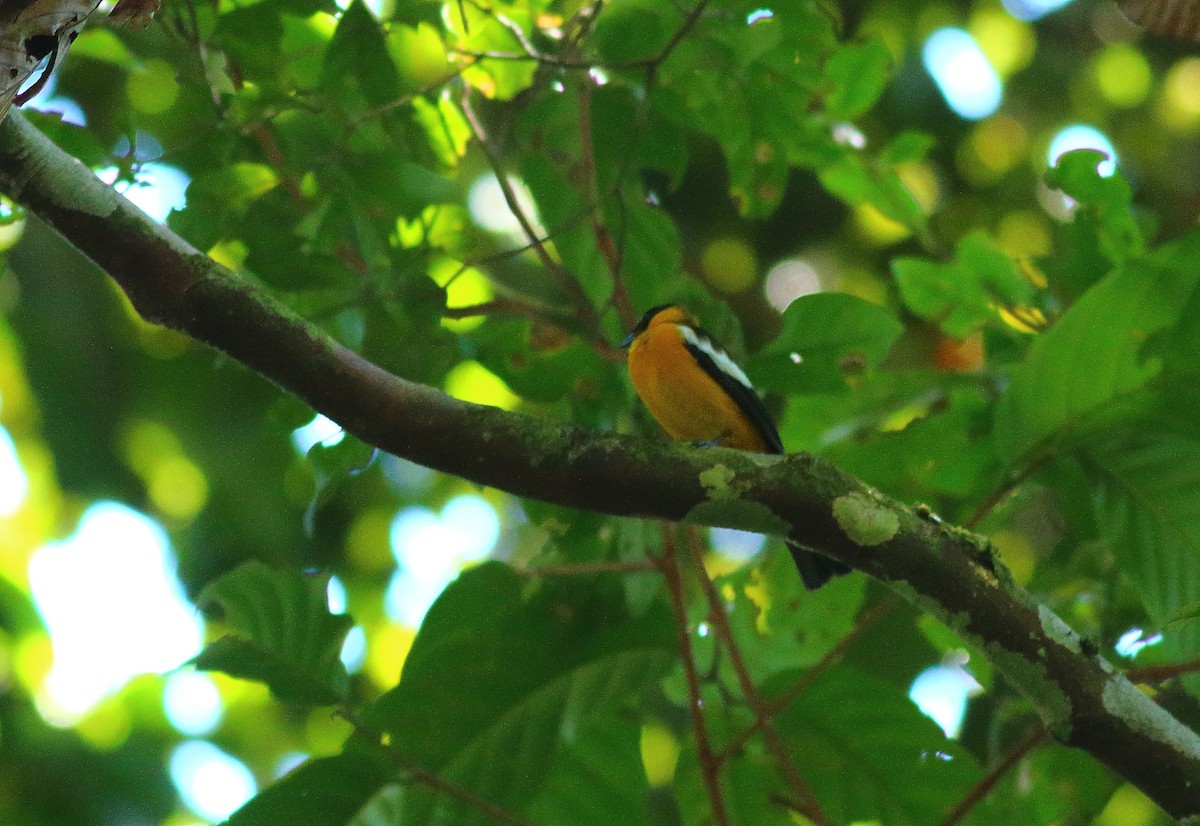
{"points": [[697, 393]]}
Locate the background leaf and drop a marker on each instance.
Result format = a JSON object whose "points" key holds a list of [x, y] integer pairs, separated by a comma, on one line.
{"points": [[324, 792], [963, 295], [1102, 337], [884, 771], [283, 635], [826, 337], [526, 682]]}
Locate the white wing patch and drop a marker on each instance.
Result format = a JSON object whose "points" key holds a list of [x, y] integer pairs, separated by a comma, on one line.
{"points": [[719, 356]]}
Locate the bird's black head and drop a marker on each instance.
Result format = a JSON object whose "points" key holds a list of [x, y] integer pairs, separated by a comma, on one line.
{"points": [[647, 317]]}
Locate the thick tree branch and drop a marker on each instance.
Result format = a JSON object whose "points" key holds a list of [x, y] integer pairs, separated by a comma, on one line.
{"points": [[940, 568]]}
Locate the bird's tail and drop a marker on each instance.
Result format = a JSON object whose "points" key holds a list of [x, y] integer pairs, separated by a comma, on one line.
{"points": [[815, 569]]}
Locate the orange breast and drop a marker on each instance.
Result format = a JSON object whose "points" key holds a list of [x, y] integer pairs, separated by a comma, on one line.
{"points": [[682, 398]]}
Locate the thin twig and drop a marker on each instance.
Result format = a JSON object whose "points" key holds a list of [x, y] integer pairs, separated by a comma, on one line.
{"points": [[865, 622], [516, 307], [868, 619], [985, 785], [1161, 673], [604, 240], [689, 23], [562, 277], [406, 100], [589, 568], [497, 306], [808, 804], [427, 778], [530, 53], [480, 804], [710, 768], [1002, 492], [506, 187], [278, 161]]}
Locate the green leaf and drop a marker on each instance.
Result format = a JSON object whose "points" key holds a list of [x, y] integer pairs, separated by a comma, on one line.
{"points": [[651, 248], [233, 188], [358, 59], [947, 450], [478, 30], [1148, 510], [751, 87], [1108, 198], [635, 541], [629, 30], [545, 374], [962, 295], [103, 45], [869, 754], [324, 792], [1092, 358], [857, 74], [1183, 615], [749, 785], [283, 634], [906, 147], [332, 465], [596, 779], [826, 338], [521, 675], [781, 626], [76, 140], [858, 179]]}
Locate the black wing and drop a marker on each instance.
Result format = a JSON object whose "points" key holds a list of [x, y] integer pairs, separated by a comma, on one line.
{"points": [[743, 395], [815, 569]]}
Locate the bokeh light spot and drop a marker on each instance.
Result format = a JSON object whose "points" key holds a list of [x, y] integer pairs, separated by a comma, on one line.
{"points": [[941, 692], [432, 548], [210, 782], [729, 264], [1032, 9], [192, 703], [789, 279], [390, 644], [1082, 136], [354, 650], [335, 595], [490, 210], [736, 545], [472, 382], [1179, 106], [877, 228], [1024, 233], [49, 102], [320, 431], [158, 188], [660, 753], [962, 73], [152, 86], [1123, 75], [1133, 641], [178, 488], [14, 485], [107, 726], [109, 597], [465, 287], [994, 148], [1007, 42]]}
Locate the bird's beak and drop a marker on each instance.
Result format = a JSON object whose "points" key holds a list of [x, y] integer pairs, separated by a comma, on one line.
{"points": [[625, 342]]}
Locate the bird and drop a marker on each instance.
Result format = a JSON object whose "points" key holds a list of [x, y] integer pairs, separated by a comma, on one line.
{"points": [[698, 394]]}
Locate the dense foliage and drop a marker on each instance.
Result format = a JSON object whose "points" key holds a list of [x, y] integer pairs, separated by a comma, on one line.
{"points": [[483, 197]]}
